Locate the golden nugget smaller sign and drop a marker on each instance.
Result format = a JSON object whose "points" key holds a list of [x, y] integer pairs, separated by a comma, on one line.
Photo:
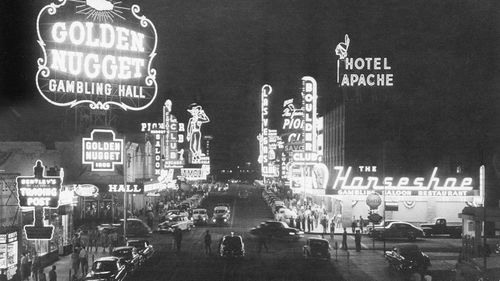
{"points": [[97, 53], [102, 150]]}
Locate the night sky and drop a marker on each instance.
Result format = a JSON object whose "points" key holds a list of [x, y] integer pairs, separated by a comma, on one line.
{"points": [[444, 56]]}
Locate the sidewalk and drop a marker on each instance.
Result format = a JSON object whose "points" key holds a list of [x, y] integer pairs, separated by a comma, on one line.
{"points": [[63, 265]]}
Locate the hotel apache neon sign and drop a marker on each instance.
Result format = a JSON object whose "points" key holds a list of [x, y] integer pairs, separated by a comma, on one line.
{"points": [[369, 71], [344, 184], [96, 52]]}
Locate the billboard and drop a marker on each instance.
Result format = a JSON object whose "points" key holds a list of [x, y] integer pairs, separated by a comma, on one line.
{"points": [[97, 53], [102, 150], [38, 192]]}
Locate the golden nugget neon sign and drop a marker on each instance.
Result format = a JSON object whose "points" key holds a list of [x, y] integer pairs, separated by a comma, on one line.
{"points": [[93, 58]]}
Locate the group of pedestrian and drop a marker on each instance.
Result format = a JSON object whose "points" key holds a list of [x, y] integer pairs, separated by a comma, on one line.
{"points": [[79, 262], [31, 266]]}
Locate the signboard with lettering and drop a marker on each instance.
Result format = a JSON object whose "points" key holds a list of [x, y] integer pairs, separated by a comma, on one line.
{"points": [[86, 190], [441, 189], [131, 188], [194, 174], [365, 71], [98, 53], [38, 192], [102, 150]]}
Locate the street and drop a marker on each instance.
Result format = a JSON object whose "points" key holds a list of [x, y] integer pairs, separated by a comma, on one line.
{"points": [[284, 260]]}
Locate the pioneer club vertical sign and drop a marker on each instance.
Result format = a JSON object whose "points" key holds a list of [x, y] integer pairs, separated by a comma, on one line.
{"points": [[96, 52]]}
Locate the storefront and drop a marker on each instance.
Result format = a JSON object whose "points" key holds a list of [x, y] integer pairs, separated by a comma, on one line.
{"points": [[9, 253], [412, 199]]}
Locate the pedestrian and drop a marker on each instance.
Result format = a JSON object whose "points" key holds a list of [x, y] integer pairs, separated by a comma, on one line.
{"points": [[75, 241], [353, 225], [208, 242], [85, 240], [261, 242], [324, 224], [344, 240], [3, 276], [53, 274], [84, 261], [92, 240], [303, 221], [104, 241], [35, 266], [41, 275], [178, 239], [75, 262], [361, 223], [357, 240], [25, 267], [310, 223], [332, 229]]}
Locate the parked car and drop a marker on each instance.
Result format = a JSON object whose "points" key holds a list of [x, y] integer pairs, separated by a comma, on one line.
{"points": [[277, 229], [221, 215], [439, 226], [407, 257], [370, 227], [284, 214], [130, 255], [232, 246], [243, 194], [181, 222], [136, 228], [398, 230], [200, 216], [172, 213], [317, 249], [143, 247], [108, 269]]}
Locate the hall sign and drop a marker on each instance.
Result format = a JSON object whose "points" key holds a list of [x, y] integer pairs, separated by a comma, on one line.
{"points": [[366, 71], [346, 184], [130, 188], [102, 150], [96, 52]]}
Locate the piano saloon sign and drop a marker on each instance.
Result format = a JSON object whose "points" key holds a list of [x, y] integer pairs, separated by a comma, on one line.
{"points": [[96, 52]]}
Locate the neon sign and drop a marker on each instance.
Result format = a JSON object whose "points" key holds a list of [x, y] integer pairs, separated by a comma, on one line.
{"points": [[198, 118], [102, 150], [96, 52], [345, 184], [86, 190], [372, 64], [309, 100], [38, 192], [174, 136], [130, 188]]}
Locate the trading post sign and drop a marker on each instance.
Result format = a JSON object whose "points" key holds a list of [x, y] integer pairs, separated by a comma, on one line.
{"points": [[38, 192], [96, 52], [102, 150]]}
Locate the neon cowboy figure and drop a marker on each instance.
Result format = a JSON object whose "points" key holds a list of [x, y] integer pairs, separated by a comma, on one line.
{"points": [[194, 129]]}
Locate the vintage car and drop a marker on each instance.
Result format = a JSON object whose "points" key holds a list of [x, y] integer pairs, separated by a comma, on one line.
{"points": [[136, 228], [317, 249], [180, 222], [143, 246], [221, 215], [407, 257], [277, 229], [200, 217], [173, 212], [231, 246], [108, 269], [398, 229], [130, 255]]}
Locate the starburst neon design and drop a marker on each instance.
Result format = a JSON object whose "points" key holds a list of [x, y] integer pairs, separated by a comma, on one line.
{"points": [[100, 10]]}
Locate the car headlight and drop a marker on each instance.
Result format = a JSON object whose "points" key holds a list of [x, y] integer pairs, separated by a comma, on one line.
{"points": [[225, 220], [291, 233], [213, 220]]}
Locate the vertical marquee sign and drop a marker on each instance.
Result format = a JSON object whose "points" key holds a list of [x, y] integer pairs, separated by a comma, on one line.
{"points": [[102, 150], [38, 192], [96, 52]]}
